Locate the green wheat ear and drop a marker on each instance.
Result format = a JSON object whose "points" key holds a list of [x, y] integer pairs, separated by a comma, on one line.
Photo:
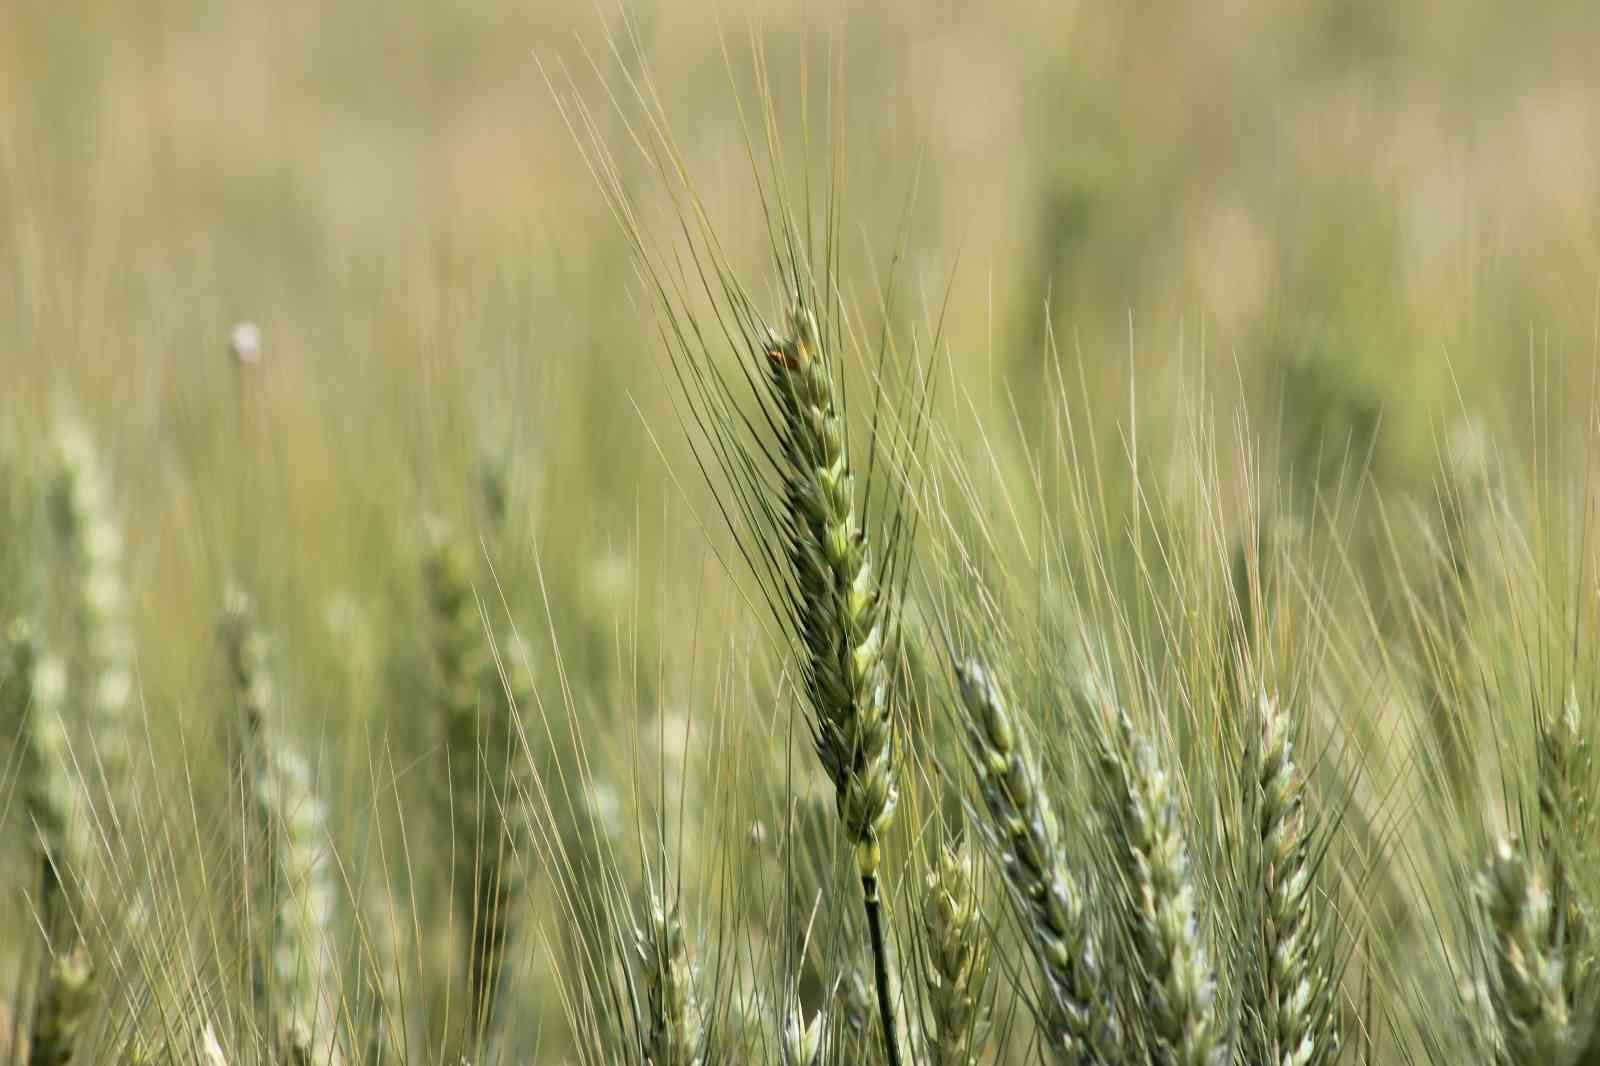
{"points": [[957, 959], [1525, 979], [101, 674], [1566, 828], [1297, 978], [673, 1036], [1163, 912], [840, 611], [837, 610], [65, 996], [1020, 826], [487, 800], [297, 981]]}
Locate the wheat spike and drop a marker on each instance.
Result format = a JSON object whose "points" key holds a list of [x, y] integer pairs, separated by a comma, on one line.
{"points": [[1566, 826], [673, 1037], [1023, 831], [487, 798], [954, 935], [1179, 983], [299, 988], [1298, 1024], [91, 538], [840, 610], [65, 995], [1526, 979], [840, 616]]}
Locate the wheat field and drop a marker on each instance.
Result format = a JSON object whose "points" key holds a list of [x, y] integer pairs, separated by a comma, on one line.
{"points": [[895, 533]]}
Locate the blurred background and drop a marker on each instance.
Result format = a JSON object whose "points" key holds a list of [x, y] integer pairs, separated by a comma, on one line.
{"points": [[1361, 220], [1348, 210]]}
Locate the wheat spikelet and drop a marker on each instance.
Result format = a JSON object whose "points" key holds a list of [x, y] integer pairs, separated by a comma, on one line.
{"points": [[1526, 980], [299, 989], [65, 1003], [1023, 831], [65, 995], [102, 680], [1179, 984], [1566, 772], [800, 1042], [673, 1037], [487, 798], [957, 961], [1295, 984]]}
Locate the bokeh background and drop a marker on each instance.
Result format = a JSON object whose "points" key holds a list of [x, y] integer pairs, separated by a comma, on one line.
{"points": [[1361, 220], [1391, 203]]}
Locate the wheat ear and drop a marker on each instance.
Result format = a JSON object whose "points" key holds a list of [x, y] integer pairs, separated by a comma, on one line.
{"points": [[957, 961], [1566, 826], [674, 1036], [477, 717], [840, 615], [91, 538], [299, 990], [1022, 829], [1164, 920], [1525, 986], [65, 994], [1295, 983]]}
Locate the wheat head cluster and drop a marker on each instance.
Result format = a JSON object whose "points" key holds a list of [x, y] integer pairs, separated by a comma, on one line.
{"points": [[1109, 759]]}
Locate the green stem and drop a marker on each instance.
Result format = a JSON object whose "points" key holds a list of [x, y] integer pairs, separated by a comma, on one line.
{"points": [[880, 968]]}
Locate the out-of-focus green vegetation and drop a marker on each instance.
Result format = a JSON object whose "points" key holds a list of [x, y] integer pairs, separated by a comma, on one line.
{"points": [[1370, 226]]}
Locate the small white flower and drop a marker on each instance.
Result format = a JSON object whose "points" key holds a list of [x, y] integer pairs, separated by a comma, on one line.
{"points": [[244, 342]]}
